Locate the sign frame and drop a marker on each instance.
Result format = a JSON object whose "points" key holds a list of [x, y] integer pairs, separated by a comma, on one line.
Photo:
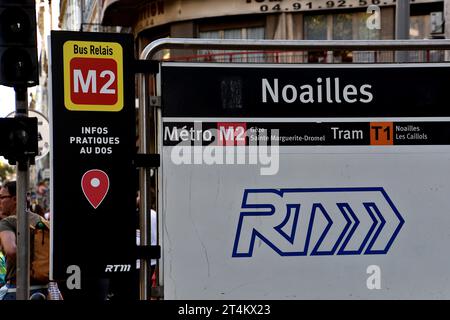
{"points": [[407, 123], [93, 247]]}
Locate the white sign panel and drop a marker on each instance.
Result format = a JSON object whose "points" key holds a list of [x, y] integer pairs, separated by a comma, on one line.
{"points": [[265, 196]]}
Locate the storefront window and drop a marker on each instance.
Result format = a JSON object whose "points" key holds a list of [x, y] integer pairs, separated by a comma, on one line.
{"points": [[364, 33], [254, 33], [420, 28], [233, 34], [315, 27], [342, 30], [342, 27], [209, 35], [339, 26], [240, 33]]}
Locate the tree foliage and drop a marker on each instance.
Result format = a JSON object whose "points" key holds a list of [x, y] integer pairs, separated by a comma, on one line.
{"points": [[5, 171]]}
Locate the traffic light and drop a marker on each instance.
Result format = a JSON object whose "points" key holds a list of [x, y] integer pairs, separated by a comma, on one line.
{"points": [[18, 52], [19, 139]]}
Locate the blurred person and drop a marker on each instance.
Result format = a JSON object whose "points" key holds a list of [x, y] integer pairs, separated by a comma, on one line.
{"points": [[2, 269], [3, 214], [8, 240], [42, 196], [8, 199], [38, 210]]}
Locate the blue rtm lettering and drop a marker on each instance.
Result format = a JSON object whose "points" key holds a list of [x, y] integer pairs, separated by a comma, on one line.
{"points": [[318, 221]]}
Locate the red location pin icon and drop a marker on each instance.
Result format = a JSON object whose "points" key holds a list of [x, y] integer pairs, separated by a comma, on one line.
{"points": [[95, 186]]}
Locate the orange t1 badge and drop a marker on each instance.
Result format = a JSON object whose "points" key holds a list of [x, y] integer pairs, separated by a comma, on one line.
{"points": [[381, 133], [93, 76]]}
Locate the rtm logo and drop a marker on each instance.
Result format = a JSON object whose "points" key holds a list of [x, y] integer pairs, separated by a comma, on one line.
{"points": [[118, 268], [317, 221]]}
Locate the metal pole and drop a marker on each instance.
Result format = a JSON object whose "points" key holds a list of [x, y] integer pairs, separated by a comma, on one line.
{"points": [[144, 176], [23, 231], [81, 15], [365, 45], [402, 27], [158, 149]]}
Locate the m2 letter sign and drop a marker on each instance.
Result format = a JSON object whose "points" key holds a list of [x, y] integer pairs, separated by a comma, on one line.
{"points": [[93, 76]]}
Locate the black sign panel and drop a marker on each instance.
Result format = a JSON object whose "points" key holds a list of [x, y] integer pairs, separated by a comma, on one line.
{"points": [[93, 178], [305, 91], [308, 133]]}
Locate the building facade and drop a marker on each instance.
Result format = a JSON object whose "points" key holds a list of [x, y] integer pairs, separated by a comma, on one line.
{"points": [[84, 15], [275, 19]]}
